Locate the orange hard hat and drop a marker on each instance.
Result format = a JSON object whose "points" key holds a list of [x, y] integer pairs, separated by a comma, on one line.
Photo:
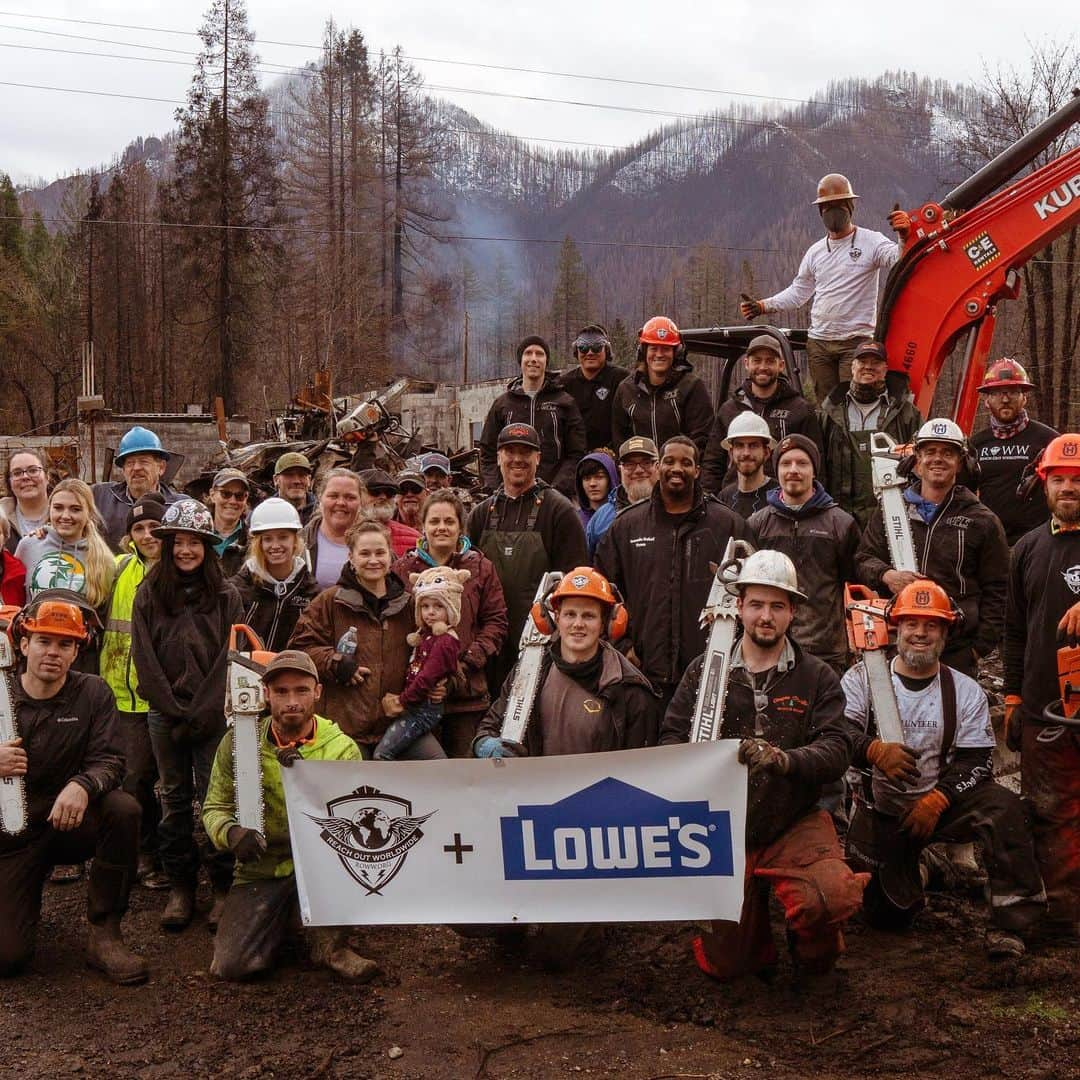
{"points": [[922, 598], [1061, 453], [1005, 372], [55, 617], [660, 330], [584, 581], [834, 187]]}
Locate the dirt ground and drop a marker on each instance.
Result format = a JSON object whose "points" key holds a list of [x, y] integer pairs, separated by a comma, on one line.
{"points": [[924, 1004]]}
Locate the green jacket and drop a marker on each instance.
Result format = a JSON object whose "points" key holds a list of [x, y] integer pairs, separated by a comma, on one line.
{"points": [[116, 666], [219, 806]]}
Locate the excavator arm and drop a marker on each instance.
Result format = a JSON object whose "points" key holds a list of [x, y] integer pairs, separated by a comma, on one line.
{"points": [[963, 257]]}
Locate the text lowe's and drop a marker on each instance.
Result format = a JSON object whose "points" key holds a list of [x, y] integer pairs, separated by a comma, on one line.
{"points": [[612, 829]]}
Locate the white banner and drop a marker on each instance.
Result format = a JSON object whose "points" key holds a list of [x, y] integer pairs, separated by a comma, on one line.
{"points": [[633, 836]]}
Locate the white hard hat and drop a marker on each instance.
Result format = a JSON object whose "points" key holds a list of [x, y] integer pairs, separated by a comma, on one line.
{"points": [[767, 567], [274, 514], [748, 425], [943, 430]]}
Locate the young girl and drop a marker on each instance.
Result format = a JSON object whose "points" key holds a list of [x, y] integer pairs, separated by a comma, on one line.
{"points": [[436, 648], [180, 625]]}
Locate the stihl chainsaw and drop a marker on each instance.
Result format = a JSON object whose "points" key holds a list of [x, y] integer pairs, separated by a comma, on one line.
{"points": [[519, 704], [12, 788], [720, 614], [889, 488], [243, 707]]}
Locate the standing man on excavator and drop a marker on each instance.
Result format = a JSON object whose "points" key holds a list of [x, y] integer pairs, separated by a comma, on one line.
{"points": [[1007, 447], [840, 271]]}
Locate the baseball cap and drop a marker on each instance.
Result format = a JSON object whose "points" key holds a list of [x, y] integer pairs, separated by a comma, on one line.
{"points": [[229, 476], [291, 460], [638, 444], [409, 476], [519, 435], [379, 480], [291, 660], [872, 348], [433, 460], [764, 341]]}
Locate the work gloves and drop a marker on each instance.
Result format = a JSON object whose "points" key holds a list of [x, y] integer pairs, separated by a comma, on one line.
{"points": [[344, 669], [1013, 722], [895, 760], [248, 845], [760, 755], [491, 747], [750, 308], [287, 755], [922, 819], [900, 222]]}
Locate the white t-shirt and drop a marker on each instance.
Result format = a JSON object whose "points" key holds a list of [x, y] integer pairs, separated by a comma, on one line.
{"points": [[842, 277], [923, 722], [332, 558]]}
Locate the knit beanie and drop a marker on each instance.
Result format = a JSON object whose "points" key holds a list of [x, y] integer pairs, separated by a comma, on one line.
{"points": [[533, 339], [797, 442], [151, 507], [445, 585]]}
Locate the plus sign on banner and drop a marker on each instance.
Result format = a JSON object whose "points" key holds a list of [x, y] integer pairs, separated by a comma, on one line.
{"points": [[638, 835]]}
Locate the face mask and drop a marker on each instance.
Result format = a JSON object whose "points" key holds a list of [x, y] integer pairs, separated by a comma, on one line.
{"points": [[836, 218]]}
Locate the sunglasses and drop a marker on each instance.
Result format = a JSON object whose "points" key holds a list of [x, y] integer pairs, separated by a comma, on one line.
{"points": [[590, 346]]}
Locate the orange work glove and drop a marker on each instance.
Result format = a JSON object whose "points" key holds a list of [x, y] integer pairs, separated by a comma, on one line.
{"points": [[1012, 722], [750, 308], [900, 221], [895, 760], [921, 820], [1069, 627]]}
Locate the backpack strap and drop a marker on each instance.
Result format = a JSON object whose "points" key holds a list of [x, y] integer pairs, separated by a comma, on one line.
{"points": [[948, 708]]}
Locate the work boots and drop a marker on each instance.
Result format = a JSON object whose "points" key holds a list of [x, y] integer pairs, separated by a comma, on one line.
{"points": [[216, 910], [179, 907], [329, 948], [107, 953]]}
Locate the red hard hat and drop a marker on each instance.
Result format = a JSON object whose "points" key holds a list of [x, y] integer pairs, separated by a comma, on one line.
{"points": [[1005, 372], [660, 330], [1062, 453]]}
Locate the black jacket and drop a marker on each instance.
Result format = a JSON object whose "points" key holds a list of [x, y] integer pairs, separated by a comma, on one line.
{"points": [[660, 564], [787, 412], [805, 717], [271, 609], [595, 398], [746, 503], [1002, 462], [554, 414], [964, 551], [72, 736], [679, 406], [821, 540]]}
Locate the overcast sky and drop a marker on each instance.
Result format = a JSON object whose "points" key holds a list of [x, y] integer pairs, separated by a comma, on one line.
{"points": [[769, 48]]}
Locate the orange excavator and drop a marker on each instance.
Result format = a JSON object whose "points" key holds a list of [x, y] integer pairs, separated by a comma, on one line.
{"points": [[962, 257]]}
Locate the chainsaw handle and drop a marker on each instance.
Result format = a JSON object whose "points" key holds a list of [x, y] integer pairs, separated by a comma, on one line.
{"points": [[740, 550], [253, 639], [854, 592]]}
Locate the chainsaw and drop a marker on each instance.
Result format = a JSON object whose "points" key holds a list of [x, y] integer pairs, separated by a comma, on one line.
{"points": [[1065, 709], [243, 707], [720, 614], [12, 788], [868, 635], [889, 487]]}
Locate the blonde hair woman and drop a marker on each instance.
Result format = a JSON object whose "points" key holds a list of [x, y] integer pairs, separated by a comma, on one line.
{"points": [[70, 552]]}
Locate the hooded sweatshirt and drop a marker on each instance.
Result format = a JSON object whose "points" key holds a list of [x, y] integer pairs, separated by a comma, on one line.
{"points": [[32, 550], [605, 513], [821, 540], [272, 607], [680, 405]]}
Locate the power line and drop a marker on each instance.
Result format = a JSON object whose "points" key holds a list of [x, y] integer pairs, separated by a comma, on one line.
{"points": [[318, 231]]}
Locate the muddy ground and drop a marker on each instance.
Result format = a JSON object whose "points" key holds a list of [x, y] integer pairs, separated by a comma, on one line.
{"points": [[923, 1004]]}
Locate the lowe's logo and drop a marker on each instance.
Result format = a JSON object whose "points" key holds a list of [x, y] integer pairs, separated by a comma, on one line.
{"points": [[615, 830]]}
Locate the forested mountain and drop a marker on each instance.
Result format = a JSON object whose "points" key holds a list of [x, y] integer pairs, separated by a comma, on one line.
{"points": [[346, 217]]}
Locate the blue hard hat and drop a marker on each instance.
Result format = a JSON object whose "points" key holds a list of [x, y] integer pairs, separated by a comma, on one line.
{"points": [[139, 440]]}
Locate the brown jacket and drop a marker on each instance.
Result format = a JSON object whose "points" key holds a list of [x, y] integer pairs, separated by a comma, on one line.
{"points": [[381, 646], [481, 631]]}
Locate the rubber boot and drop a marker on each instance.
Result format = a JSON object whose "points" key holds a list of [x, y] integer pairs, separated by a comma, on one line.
{"points": [[216, 909], [179, 907], [329, 948], [107, 953]]}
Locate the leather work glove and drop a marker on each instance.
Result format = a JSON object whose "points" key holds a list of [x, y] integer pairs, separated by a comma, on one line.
{"points": [[897, 761], [921, 820], [750, 308], [345, 669], [247, 845], [1069, 627], [1013, 722], [288, 755], [492, 747], [900, 222], [761, 755]]}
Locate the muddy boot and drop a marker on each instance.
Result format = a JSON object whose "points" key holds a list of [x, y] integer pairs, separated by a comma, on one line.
{"points": [[107, 953], [179, 908], [329, 948], [1004, 945], [968, 872], [216, 908]]}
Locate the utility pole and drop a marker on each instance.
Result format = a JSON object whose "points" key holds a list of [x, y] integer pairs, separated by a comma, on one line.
{"points": [[465, 353]]}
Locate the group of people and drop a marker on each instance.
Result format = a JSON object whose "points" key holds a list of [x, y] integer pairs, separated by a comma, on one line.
{"points": [[395, 611]]}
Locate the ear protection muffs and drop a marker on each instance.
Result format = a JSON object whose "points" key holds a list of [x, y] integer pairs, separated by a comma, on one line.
{"points": [[543, 616]]}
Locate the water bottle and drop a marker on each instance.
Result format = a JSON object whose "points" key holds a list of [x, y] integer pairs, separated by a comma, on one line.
{"points": [[347, 642]]}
